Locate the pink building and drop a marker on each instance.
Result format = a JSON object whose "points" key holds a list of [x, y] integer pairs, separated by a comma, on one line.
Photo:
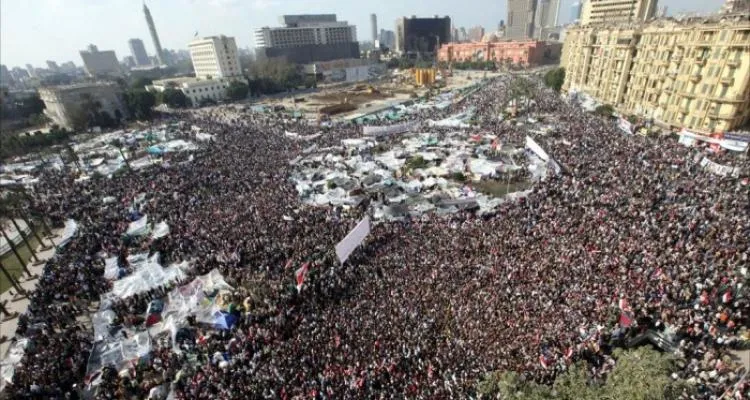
{"points": [[528, 53]]}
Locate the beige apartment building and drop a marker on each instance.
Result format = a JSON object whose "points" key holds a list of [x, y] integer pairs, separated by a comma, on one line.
{"points": [[617, 11], [692, 73]]}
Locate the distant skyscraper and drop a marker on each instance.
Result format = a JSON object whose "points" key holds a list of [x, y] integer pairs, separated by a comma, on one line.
{"points": [[30, 69], [521, 15], [215, 56], [100, 63], [476, 33], [154, 35], [374, 26], [545, 17], [575, 12], [4, 74], [52, 66], [139, 52], [463, 36]]}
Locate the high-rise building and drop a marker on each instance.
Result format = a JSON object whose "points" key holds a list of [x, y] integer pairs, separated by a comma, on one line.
{"points": [[476, 34], [306, 39], [154, 36], [30, 69], [387, 38], [575, 12], [374, 27], [617, 11], [463, 35], [52, 66], [546, 18], [19, 74], [422, 35], [735, 6], [521, 15], [138, 51], [5, 76], [693, 73], [100, 63], [129, 61], [215, 57]]}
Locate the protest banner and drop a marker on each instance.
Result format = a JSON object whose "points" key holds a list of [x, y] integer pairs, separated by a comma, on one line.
{"points": [[357, 235]]}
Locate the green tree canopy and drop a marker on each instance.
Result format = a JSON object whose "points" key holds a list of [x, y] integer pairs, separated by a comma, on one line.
{"points": [[604, 110], [237, 90], [174, 98], [555, 78], [640, 374], [140, 103]]}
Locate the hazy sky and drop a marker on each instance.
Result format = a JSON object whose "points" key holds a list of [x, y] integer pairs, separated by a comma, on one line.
{"points": [[33, 31]]}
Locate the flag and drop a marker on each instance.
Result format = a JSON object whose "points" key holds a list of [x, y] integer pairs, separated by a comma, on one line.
{"points": [[625, 320], [300, 275], [543, 360], [623, 304], [727, 297], [569, 352]]}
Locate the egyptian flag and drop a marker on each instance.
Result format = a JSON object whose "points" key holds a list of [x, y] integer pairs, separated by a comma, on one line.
{"points": [[568, 353], [300, 274], [726, 297], [544, 361], [625, 320]]}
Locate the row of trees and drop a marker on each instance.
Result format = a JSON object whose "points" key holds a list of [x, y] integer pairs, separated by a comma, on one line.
{"points": [[16, 145], [642, 373]]}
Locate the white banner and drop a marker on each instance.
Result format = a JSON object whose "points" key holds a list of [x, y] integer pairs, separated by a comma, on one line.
{"points": [[719, 169], [357, 235], [390, 129], [625, 126], [533, 146]]}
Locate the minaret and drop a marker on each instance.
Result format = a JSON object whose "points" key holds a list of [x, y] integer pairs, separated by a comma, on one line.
{"points": [[154, 36]]}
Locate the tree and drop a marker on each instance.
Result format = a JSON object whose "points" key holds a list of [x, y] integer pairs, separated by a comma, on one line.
{"points": [[237, 90], [141, 83], [174, 98], [639, 374], [604, 110], [140, 103], [555, 78]]}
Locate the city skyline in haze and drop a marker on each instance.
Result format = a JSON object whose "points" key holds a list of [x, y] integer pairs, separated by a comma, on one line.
{"points": [[34, 31]]}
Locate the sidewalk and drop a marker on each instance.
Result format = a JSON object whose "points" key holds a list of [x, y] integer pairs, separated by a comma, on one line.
{"points": [[8, 327]]}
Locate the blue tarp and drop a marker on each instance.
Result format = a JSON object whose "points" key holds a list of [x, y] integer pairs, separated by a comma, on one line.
{"points": [[156, 150]]}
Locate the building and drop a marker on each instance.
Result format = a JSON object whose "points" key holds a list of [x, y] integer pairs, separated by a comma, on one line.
{"points": [[154, 36], [463, 35], [198, 90], [52, 66], [575, 12], [693, 73], [617, 11], [735, 6], [129, 62], [351, 70], [215, 57], [546, 18], [526, 53], [374, 27], [68, 67], [521, 15], [476, 34], [63, 103], [19, 74], [387, 38], [422, 35], [306, 39], [138, 51], [5, 76], [100, 63], [31, 70]]}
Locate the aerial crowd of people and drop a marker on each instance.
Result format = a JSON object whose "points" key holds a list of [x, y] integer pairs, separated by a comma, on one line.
{"points": [[632, 236]]}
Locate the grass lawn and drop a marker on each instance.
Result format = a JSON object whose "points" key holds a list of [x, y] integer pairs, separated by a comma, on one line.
{"points": [[11, 264]]}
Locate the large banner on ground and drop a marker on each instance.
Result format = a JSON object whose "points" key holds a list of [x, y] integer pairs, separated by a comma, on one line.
{"points": [[357, 235], [719, 169], [538, 150], [390, 129], [625, 126]]}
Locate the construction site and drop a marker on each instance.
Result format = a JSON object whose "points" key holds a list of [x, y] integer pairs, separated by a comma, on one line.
{"points": [[362, 98]]}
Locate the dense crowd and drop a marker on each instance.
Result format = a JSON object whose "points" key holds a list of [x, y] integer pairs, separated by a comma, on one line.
{"points": [[634, 226]]}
